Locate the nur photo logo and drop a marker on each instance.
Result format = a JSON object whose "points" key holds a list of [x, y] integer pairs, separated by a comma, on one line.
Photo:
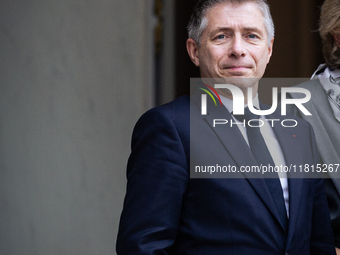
{"points": [[238, 100]]}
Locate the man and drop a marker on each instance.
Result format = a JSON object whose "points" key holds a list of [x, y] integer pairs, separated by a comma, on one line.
{"points": [[167, 212]]}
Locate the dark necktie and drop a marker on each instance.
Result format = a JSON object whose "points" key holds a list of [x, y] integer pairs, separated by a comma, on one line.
{"points": [[263, 157]]}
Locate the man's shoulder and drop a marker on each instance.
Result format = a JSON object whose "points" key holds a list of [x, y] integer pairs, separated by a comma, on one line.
{"points": [[173, 114], [175, 110], [180, 107]]}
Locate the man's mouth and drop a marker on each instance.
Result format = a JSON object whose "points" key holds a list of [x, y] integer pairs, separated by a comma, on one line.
{"points": [[237, 70]]}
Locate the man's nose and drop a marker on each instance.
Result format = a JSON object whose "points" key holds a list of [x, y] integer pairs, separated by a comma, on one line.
{"points": [[237, 47]]}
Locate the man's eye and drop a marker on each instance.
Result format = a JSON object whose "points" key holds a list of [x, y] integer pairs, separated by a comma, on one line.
{"points": [[220, 37], [252, 36]]}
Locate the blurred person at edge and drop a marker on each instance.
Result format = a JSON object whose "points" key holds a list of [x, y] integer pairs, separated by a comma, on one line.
{"points": [[325, 107]]}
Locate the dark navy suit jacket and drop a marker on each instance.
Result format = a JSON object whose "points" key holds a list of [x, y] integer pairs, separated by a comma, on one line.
{"points": [[167, 212]]}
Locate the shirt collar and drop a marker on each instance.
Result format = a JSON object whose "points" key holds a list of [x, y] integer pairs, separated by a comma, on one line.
{"points": [[228, 103]]}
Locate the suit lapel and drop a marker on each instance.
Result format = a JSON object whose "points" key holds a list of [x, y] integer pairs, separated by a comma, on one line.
{"points": [[238, 149], [295, 187], [289, 146]]}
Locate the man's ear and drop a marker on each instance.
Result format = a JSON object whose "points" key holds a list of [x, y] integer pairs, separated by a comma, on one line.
{"points": [[192, 49], [337, 39], [270, 49]]}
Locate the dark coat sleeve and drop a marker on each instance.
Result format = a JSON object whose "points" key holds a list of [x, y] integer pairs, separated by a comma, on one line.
{"points": [[333, 199], [157, 176], [321, 238], [321, 241]]}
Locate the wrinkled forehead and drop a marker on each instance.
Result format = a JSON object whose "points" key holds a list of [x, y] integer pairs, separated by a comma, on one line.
{"points": [[245, 15], [229, 8]]}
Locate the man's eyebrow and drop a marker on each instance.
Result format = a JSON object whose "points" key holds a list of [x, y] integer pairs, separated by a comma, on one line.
{"points": [[222, 29], [253, 29], [227, 29]]}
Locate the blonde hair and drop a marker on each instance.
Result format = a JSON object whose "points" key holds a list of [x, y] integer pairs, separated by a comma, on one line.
{"points": [[329, 25]]}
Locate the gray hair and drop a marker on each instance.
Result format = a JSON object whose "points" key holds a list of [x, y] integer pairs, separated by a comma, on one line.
{"points": [[199, 21]]}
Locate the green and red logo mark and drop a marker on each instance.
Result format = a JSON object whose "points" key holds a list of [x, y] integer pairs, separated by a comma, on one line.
{"points": [[210, 94]]}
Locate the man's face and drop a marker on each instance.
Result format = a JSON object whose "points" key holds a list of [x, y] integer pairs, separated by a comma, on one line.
{"points": [[234, 43]]}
